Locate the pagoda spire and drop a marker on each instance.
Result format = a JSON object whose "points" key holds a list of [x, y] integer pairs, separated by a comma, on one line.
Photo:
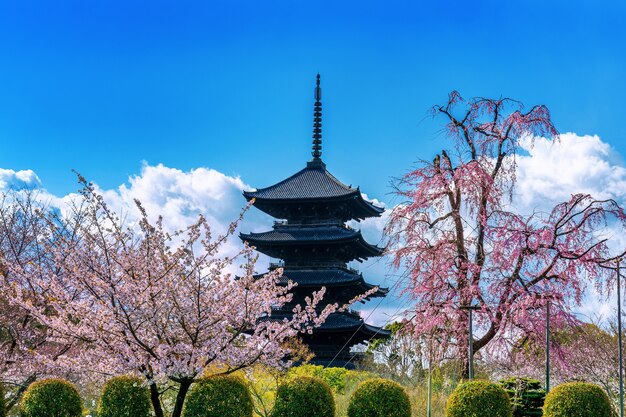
{"points": [[317, 123]]}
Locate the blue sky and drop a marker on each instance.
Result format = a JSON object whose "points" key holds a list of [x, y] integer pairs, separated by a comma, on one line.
{"points": [[102, 86]]}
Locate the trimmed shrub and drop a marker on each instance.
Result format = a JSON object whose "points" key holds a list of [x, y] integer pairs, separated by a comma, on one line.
{"points": [[125, 396], [51, 398], [219, 396], [526, 396], [577, 399], [379, 398], [304, 397], [479, 399]]}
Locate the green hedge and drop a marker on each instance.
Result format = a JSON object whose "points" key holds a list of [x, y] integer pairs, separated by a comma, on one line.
{"points": [[304, 397], [125, 396], [479, 399], [219, 396], [51, 398], [527, 396], [577, 399], [379, 398]]}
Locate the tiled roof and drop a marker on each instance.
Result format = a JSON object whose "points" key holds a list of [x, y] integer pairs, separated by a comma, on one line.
{"points": [[321, 276], [310, 183], [326, 277], [303, 234], [344, 321]]}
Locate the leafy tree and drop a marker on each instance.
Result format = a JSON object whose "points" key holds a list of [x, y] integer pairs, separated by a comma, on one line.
{"points": [[398, 357]]}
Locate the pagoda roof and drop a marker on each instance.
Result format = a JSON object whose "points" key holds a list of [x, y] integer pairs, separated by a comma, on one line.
{"points": [[347, 321], [311, 235], [311, 184], [342, 322], [329, 277]]}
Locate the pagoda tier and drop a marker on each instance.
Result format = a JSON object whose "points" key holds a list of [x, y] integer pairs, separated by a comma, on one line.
{"points": [[315, 247], [295, 243], [341, 284], [313, 194], [328, 342]]}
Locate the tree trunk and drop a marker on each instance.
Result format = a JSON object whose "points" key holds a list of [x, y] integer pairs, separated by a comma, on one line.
{"points": [[156, 400], [180, 398]]}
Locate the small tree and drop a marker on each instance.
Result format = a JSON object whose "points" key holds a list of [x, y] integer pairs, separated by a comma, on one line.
{"points": [[125, 396], [479, 399], [379, 398], [577, 399], [304, 397], [462, 243], [219, 396], [51, 398]]}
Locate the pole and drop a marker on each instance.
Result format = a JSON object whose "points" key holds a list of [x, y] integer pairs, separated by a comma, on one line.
{"points": [[430, 381], [619, 341], [471, 348], [430, 373], [548, 347]]}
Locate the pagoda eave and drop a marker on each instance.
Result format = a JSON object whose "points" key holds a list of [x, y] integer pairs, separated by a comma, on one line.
{"points": [[358, 208]]}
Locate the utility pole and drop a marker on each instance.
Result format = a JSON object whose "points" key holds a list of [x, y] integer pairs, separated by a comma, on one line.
{"points": [[548, 346], [471, 309]]}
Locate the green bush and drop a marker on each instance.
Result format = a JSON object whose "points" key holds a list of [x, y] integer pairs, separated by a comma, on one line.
{"points": [[219, 396], [125, 396], [304, 397], [526, 396], [379, 398], [577, 399], [479, 399], [338, 379], [51, 398]]}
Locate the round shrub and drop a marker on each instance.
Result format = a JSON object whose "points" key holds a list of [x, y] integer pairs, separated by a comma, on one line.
{"points": [[379, 398], [577, 399], [51, 398], [219, 396], [304, 397], [479, 399], [124, 396]]}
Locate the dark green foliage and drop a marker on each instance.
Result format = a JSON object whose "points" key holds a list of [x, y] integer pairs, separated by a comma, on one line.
{"points": [[219, 396], [51, 398], [125, 396], [304, 397], [577, 399], [526, 396], [479, 399], [379, 398], [3, 411]]}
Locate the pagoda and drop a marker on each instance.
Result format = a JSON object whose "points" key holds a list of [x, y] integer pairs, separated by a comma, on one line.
{"points": [[314, 246]]}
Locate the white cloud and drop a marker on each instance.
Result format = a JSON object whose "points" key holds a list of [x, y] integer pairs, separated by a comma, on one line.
{"points": [[18, 179], [551, 171]]}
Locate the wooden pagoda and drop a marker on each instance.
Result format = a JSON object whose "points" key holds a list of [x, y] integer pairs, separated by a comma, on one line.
{"points": [[315, 245]]}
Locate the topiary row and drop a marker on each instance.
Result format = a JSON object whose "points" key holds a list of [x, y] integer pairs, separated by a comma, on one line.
{"points": [[222, 396], [486, 399]]}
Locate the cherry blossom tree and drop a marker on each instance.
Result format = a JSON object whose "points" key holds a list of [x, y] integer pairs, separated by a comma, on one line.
{"points": [[136, 298], [463, 243], [23, 341]]}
